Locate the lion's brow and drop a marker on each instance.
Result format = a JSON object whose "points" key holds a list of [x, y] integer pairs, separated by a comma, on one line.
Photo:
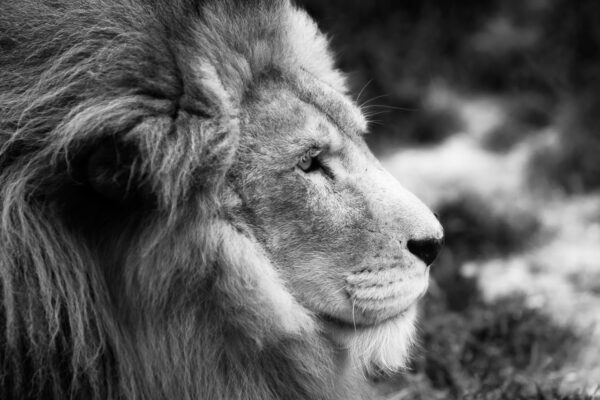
{"points": [[337, 107]]}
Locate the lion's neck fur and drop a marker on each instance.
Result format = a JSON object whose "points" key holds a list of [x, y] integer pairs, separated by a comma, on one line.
{"points": [[63, 338]]}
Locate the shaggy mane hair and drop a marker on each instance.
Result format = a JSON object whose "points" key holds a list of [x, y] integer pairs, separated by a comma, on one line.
{"points": [[121, 274]]}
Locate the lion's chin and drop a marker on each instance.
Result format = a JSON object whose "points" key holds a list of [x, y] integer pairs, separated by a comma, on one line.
{"points": [[378, 348]]}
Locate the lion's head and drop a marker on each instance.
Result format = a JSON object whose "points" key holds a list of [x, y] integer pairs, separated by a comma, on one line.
{"points": [[189, 210]]}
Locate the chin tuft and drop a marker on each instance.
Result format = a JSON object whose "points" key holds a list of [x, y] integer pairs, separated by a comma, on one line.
{"points": [[382, 349]]}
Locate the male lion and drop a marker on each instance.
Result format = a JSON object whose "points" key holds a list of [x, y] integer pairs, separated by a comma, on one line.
{"points": [[188, 210]]}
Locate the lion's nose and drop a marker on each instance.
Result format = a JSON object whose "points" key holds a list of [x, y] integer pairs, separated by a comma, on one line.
{"points": [[426, 249]]}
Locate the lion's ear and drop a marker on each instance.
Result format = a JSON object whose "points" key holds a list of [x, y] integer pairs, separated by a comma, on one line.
{"points": [[112, 170]]}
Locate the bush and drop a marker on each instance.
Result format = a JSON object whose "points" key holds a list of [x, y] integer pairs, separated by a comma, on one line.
{"points": [[475, 230], [573, 164]]}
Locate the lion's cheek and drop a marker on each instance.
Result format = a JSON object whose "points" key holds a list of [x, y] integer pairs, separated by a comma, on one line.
{"points": [[252, 273]]}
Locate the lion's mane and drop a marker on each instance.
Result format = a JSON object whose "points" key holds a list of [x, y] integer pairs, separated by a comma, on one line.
{"points": [[157, 294]]}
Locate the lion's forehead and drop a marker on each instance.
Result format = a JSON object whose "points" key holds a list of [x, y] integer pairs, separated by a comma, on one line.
{"points": [[336, 106], [281, 120]]}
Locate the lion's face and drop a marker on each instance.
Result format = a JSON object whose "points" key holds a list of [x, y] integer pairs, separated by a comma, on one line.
{"points": [[333, 221]]}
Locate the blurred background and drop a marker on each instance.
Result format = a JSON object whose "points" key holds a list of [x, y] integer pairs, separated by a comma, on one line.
{"points": [[489, 110]]}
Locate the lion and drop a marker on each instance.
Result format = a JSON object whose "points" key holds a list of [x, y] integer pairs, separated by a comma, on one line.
{"points": [[188, 208]]}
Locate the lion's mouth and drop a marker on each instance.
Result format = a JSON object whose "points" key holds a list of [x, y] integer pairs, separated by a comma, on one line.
{"points": [[342, 323]]}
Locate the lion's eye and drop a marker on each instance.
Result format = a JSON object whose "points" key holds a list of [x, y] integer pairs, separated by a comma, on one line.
{"points": [[307, 163], [310, 162]]}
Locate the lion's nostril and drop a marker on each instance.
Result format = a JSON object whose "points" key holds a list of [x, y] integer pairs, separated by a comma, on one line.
{"points": [[426, 249]]}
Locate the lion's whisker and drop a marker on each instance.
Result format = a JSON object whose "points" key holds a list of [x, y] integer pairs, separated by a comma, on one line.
{"points": [[366, 107], [363, 89], [372, 99]]}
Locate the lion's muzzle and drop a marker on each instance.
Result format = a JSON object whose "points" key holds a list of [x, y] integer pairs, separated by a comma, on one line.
{"points": [[378, 294]]}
